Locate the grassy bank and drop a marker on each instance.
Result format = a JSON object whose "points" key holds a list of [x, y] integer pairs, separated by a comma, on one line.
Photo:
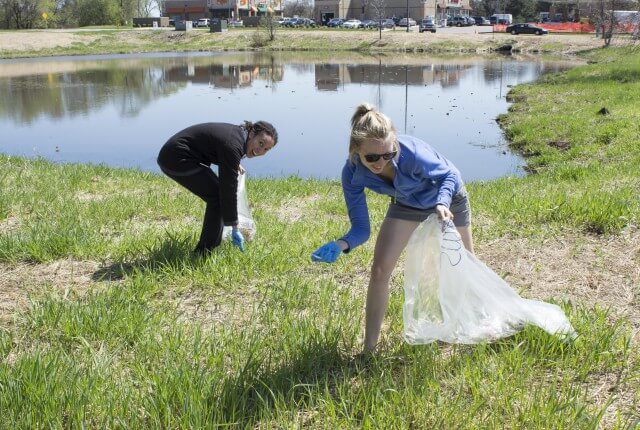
{"points": [[108, 320], [38, 43]]}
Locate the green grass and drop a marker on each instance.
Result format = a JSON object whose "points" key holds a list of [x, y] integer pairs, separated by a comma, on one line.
{"points": [[592, 182], [162, 339], [114, 40]]}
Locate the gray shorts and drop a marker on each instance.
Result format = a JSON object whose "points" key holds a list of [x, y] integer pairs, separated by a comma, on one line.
{"points": [[459, 207]]}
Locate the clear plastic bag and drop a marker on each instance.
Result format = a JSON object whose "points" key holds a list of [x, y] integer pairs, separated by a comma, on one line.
{"points": [[453, 297], [245, 221]]}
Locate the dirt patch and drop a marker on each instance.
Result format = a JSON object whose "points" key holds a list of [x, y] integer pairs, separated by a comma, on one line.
{"points": [[19, 282], [587, 269]]}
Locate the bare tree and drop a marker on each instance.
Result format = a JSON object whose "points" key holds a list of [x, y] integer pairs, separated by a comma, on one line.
{"points": [[377, 8], [615, 16], [604, 20], [270, 25], [144, 8], [298, 8]]}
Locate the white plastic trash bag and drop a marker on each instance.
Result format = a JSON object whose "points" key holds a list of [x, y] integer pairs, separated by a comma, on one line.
{"points": [[453, 297], [245, 221]]}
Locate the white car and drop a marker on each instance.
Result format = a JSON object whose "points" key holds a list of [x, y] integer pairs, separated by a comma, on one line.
{"points": [[352, 23], [403, 22], [203, 22]]}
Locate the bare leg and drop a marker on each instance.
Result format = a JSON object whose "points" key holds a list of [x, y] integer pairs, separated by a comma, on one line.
{"points": [[467, 239], [392, 239]]}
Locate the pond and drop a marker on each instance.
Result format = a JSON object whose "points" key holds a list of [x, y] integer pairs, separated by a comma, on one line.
{"points": [[119, 110]]}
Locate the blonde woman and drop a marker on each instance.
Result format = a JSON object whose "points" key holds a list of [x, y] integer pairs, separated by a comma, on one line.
{"points": [[419, 180]]}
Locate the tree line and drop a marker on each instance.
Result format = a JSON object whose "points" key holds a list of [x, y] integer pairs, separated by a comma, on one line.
{"points": [[529, 10], [25, 14]]}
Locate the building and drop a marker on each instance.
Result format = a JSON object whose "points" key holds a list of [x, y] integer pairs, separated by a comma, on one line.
{"points": [[324, 10], [195, 9]]}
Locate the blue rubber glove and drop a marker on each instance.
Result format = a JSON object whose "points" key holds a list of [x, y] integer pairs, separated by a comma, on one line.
{"points": [[327, 253], [237, 239]]}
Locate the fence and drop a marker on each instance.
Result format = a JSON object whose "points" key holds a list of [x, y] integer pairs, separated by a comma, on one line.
{"points": [[574, 27]]}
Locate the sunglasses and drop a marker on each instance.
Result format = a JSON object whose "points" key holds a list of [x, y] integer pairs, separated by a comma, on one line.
{"points": [[372, 158]]}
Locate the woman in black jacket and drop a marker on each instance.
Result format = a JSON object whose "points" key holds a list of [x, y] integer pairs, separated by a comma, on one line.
{"points": [[187, 156]]}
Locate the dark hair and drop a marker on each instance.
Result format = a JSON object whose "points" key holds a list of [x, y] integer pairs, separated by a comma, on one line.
{"points": [[262, 127]]}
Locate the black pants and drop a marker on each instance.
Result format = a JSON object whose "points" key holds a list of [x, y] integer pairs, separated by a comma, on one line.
{"points": [[204, 183]]}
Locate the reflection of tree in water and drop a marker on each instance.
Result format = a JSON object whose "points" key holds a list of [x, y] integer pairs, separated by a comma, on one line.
{"points": [[129, 86], [71, 94], [76, 87]]}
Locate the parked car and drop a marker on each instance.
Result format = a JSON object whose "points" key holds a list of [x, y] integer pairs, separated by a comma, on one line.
{"points": [[335, 22], [369, 23], [458, 21], [300, 22], [306, 22], [235, 23], [481, 20], [293, 22], [203, 22], [352, 23], [427, 24], [282, 20], [526, 29], [403, 22], [501, 18], [388, 23]]}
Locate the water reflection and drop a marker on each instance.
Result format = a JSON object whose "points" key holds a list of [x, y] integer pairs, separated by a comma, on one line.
{"points": [[118, 110], [65, 94], [329, 77]]}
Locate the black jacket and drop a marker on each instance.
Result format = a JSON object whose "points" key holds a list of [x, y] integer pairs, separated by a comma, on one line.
{"points": [[204, 144]]}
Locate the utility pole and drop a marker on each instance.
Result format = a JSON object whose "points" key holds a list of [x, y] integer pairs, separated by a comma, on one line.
{"points": [[407, 16]]}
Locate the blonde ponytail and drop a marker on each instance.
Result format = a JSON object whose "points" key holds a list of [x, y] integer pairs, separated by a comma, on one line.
{"points": [[368, 123]]}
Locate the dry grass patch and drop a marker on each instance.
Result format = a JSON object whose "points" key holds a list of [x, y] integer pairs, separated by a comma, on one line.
{"points": [[392, 41], [587, 269], [9, 225], [292, 211], [19, 282], [26, 40], [616, 389], [140, 224], [220, 308], [84, 196]]}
